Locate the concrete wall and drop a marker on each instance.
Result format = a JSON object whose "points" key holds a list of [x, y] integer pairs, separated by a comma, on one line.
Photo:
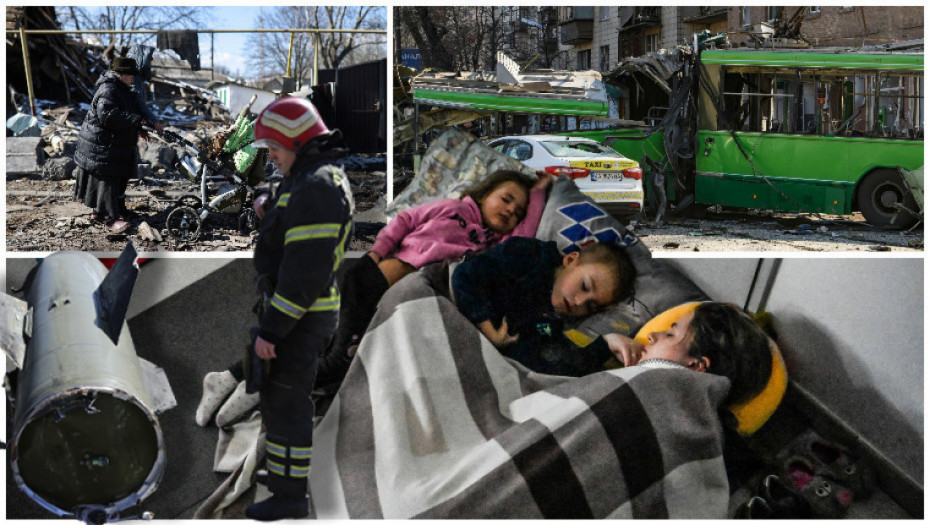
{"points": [[852, 334], [845, 26], [605, 34]]}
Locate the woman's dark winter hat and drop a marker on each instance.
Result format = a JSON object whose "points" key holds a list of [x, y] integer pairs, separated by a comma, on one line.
{"points": [[124, 66]]}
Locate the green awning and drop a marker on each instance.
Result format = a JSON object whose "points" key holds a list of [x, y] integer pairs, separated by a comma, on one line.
{"points": [[913, 62], [517, 103]]}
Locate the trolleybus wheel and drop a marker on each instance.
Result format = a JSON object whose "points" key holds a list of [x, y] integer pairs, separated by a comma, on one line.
{"points": [[880, 193]]}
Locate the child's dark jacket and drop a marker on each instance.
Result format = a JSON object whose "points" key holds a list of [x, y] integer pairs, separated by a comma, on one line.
{"points": [[514, 281]]}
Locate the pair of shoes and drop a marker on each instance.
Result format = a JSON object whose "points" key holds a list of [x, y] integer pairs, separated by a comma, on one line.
{"points": [[774, 500], [278, 508], [216, 387], [826, 498], [824, 474], [117, 226], [834, 462], [237, 406]]}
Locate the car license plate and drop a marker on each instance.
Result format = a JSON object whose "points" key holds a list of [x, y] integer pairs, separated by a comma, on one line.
{"points": [[606, 176], [614, 196]]}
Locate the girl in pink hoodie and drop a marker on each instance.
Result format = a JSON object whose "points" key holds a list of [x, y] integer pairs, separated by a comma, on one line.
{"points": [[505, 204]]}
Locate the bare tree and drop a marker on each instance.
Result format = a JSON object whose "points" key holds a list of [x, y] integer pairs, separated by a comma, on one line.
{"points": [[132, 17], [427, 28], [338, 49], [457, 38], [270, 52]]}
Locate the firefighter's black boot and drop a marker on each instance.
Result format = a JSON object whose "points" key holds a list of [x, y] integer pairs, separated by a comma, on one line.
{"points": [[362, 289], [278, 508]]}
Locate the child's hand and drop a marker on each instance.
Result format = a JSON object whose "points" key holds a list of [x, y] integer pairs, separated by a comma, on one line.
{"points": [[498, 336], [628, 351], [543, 180]]}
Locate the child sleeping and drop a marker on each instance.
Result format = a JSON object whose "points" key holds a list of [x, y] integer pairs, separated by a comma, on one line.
{"points": [[519, 294]]}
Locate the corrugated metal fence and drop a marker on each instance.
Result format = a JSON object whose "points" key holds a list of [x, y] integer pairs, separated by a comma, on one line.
{"points": [[358, 100]]}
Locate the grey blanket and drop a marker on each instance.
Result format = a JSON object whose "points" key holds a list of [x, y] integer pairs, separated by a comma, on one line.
{"points": [[432, 422]]}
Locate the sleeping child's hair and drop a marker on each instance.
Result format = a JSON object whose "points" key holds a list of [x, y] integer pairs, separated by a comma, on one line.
{"points": [[736, 347], [617, 260], [482, 188]]}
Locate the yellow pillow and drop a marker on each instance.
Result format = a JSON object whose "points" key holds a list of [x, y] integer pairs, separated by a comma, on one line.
{"points": [[752, 414]]}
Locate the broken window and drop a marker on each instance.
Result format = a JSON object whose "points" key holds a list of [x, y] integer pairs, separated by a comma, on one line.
{"points": [[745, 16], [604, 58], [652, 42], [822, 102], [584, 60]]}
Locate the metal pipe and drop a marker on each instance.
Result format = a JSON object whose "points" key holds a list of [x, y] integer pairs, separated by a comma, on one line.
{"points": [[316, 59], [290, 52], [29, 89], [416, 127], [212, 31]]}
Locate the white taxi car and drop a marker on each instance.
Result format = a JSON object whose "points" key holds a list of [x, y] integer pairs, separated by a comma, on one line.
{"points": [[612, 180]]}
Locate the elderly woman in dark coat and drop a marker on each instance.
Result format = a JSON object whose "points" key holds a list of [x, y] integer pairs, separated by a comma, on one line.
{"points": [[106, 151]]}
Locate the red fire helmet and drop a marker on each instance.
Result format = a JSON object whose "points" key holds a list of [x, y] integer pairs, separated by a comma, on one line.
{"points": [[288, 123]]}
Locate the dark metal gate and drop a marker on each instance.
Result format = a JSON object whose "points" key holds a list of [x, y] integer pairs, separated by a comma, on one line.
{"points": [[359, 104]]}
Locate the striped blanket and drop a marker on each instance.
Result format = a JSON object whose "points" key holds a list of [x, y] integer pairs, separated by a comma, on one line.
{"points": [[432, 422]]}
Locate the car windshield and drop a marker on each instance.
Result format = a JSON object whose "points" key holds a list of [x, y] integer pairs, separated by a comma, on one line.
{"points": [[576, 148]]}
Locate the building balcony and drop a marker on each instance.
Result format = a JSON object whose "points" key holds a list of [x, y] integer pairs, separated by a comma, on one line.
{"points": [[703, 14], [577, 32], [573, 13], [640, 17]]}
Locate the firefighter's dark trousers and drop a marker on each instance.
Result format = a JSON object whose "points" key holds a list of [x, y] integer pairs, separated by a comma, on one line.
{"points": [[287, 411]]}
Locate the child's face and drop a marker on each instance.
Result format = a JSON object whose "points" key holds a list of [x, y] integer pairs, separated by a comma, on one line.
{"points": [[672, 345], [504, 207], [581, 289]]}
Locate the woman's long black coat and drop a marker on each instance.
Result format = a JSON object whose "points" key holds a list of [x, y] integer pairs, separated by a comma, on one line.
{"points": [[109, 135]]}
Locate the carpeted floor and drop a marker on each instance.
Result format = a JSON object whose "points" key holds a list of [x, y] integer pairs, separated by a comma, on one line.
{"points": [[198, 329]]}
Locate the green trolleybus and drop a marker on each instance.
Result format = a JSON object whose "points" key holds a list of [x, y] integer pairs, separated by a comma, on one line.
{"points": [[809, 131]]}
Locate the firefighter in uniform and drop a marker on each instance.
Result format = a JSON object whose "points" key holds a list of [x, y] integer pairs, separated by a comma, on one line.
{"points": [[305, 232]]}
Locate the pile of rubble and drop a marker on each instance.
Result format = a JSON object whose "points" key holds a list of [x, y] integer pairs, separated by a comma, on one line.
{"points": [[42, 214]]}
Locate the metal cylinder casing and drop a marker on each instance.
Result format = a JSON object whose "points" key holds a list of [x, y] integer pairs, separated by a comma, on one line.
{"points": [[85, 434]]}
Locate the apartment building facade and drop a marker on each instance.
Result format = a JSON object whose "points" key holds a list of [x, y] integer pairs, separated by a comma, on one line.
{"points": [[831, 26]]}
